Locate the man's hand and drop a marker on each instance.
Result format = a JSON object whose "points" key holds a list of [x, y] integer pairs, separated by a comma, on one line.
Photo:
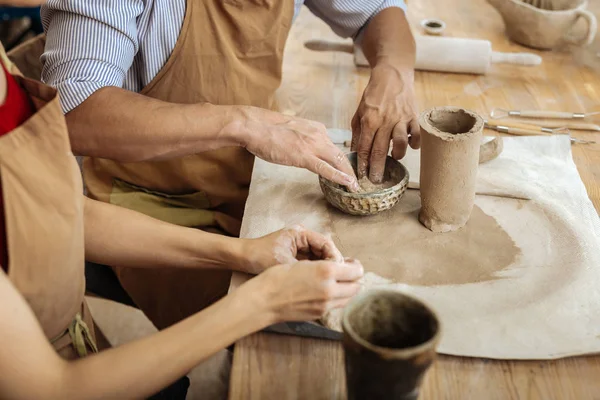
{"points": [[287, 246], [295, 142], [387, 112]]}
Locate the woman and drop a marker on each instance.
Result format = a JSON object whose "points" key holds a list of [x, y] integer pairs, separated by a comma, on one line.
{"points": [[46, 330]]}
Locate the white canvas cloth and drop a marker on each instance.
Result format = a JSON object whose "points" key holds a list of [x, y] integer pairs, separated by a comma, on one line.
{"points": [[544, 305]]}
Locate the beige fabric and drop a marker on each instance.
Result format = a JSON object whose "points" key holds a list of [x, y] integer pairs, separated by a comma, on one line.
{"points": [[520, 281], [7, 62], [228, 52], [42, 190], [27, 57]]}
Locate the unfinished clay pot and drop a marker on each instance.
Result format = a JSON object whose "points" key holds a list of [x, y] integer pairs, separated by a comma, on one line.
{"points": [[368, 203], [389, 343], [545, 24], [450, 146]]}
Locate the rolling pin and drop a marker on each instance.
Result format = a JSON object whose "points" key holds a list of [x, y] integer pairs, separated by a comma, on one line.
{"points": [[467, 56], [444, 54]]}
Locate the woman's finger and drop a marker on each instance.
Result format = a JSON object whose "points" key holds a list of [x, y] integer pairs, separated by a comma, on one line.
{"points": [[345, 290], [348, 272], [320, 246]]}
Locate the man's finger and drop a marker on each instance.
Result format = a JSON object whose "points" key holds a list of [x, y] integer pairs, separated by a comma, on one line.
{"points": [[415, 134], [317, 244], [355, 124], [349, 272], [325, 170], [365, 143], [379, 152], [400, 139]]}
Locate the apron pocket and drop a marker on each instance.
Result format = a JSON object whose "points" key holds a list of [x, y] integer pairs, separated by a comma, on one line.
{"points": [[190, 210]]}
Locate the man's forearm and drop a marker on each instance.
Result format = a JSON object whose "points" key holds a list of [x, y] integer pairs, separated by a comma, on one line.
{"points": [[388, 40], [118, 236], [125, 126]]}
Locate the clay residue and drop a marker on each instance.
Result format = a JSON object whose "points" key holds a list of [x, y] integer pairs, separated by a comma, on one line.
{"points": [[452, 121], [366, 186], [405, 251]]}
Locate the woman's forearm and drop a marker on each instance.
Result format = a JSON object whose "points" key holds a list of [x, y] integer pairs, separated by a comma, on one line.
{"points": [[125, 126], [118, 236], [143, 367]]}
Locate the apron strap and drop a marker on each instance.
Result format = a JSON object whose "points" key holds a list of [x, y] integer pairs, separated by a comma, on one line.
{"points": [[80, 335]]}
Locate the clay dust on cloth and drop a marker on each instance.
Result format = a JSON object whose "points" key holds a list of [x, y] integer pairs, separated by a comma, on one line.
{"points": [[520, 281]]}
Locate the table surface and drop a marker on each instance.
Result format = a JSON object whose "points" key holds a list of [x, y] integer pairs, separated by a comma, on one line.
{"points": [[326, 86]]}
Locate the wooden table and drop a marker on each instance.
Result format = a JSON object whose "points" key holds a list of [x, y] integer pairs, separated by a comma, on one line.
{"points": [[327, 87]]}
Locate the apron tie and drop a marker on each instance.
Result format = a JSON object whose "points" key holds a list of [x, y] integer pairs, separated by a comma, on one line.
{"points": [[80, 335]]}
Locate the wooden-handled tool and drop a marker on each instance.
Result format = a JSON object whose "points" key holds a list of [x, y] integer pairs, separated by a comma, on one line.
{"points": [[518, 129], [443, 54], [502, 124], [458, 55], [574, 126], [502, 113], [515, 131]]}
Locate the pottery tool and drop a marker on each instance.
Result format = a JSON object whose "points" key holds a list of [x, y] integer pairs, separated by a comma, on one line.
{"points": [[574, 126], [444, 54], [458, 55], [306, 329], [515, 131], [502, 113], [519, 131], [504, 125]]}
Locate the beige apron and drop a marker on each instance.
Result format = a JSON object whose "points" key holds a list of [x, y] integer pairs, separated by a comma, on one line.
{"points": [[43, 199], [229, 52]]}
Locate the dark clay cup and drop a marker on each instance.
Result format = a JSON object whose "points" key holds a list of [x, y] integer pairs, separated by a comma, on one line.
{"points": [[389, 343]]}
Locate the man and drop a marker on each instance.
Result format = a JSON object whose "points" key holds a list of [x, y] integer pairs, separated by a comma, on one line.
{"points": [[48, 336], [170, 100]]}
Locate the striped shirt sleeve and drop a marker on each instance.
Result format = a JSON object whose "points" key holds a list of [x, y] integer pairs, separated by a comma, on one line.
{"points": [[89, 45], [348, 17]]}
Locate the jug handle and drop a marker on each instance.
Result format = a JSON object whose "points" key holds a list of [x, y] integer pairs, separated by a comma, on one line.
{"points": [[490, 150], [592, 28]]}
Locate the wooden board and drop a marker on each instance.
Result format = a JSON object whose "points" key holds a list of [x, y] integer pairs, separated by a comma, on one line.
{"points": [[327, 87]]}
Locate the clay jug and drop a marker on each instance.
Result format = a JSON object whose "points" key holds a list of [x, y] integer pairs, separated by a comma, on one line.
{"points": [[545, 24]]}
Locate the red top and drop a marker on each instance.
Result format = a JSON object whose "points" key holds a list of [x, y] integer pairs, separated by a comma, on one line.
{"points": [[17, 108]]}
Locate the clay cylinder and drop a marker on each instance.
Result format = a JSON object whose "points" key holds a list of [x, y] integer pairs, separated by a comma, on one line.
{"points": [[450, 141], [389, 343]]}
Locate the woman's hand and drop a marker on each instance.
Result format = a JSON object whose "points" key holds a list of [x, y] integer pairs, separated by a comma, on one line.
{"points": [[287, 246], [302, 291]]}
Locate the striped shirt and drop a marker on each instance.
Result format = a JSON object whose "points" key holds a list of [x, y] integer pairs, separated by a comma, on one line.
{"points": [[125, 43]]}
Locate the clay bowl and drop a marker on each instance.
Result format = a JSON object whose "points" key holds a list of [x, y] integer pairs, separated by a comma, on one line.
{"points": [[368, 203]]}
